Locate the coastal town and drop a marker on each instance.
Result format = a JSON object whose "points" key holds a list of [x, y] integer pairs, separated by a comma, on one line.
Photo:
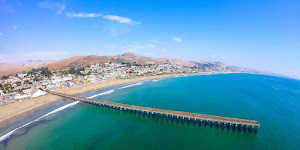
{"points": [[36, 82]]}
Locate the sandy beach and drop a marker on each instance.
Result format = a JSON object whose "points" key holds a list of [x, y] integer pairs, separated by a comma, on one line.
{"points": [[11, 111]]}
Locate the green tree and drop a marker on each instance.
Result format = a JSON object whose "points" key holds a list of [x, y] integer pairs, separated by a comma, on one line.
{"points": [[46, 72], [29, 73], [72, 70], [65, 72]]}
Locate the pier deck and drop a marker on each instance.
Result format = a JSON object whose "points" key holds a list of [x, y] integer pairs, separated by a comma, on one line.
{"points": [[240, 124]]}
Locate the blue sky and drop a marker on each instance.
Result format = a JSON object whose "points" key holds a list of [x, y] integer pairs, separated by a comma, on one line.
{"points": [[258, 34]]}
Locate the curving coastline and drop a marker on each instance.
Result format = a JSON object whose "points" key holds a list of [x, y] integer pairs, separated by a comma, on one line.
{"points": [[14, 110]]}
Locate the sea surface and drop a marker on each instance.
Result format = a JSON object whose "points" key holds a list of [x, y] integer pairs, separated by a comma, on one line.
{"points": [[273, 101]]}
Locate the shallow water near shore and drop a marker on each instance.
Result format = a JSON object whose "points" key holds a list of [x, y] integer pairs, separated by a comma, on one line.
{"points": [[273, 101]]}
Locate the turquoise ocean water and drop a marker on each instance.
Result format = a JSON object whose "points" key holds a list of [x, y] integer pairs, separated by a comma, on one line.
{"points": [[273, 101]]}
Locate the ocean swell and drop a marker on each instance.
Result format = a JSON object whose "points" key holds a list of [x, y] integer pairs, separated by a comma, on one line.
{"points": [[155, 80], [130, 85], [104, 93], [7, 135]]}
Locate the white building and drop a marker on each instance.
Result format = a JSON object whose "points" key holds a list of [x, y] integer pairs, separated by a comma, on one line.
{"points": [[21, 96], [35, 92]]}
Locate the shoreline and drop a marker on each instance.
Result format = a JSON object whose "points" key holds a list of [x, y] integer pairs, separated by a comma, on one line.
{"points": [[12, 111]]}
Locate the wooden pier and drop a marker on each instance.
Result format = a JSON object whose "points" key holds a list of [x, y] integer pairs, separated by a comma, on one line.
{"points": [[185, 117]]}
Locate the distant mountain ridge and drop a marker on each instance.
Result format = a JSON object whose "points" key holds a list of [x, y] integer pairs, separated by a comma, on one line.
{"points": [[82, 61]]}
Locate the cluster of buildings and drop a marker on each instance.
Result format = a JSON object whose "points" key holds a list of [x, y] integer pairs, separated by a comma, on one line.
{"points": [[28, 85]]}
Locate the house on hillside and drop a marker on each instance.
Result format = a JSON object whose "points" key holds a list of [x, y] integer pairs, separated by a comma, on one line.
{"points": [[22, 75], [150, 63]]}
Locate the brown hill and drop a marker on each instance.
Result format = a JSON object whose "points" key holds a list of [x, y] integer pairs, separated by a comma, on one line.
{"points": [[75, 61], [13, 68], [194, 63], [82, 61], [178, 62]]}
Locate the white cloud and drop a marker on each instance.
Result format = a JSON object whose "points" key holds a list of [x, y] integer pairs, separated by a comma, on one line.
{"points": [[151, 45], [83, 15], [113, 29], [1, 33], [94, 15], [120, 19], [177, 39], [59, 6], [154, 41]]}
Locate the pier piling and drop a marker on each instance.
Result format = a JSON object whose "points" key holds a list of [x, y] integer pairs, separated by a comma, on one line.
{"points": [[223, 122]]}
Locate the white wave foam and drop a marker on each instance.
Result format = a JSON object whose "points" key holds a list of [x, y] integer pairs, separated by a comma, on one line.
{"points": [[130, 85], [7, 135], [155, 80], [104, 93]]}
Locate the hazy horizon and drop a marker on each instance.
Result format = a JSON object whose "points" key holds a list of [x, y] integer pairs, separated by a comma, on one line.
{"points": [[262, 35]]}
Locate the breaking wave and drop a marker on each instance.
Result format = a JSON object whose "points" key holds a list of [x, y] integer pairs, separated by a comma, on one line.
{"points": [[130, 85], [104, 93], [155, 80], [7, 135]]}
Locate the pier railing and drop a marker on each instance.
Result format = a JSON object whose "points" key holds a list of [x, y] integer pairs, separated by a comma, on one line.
{"points": [[179, 116]]}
